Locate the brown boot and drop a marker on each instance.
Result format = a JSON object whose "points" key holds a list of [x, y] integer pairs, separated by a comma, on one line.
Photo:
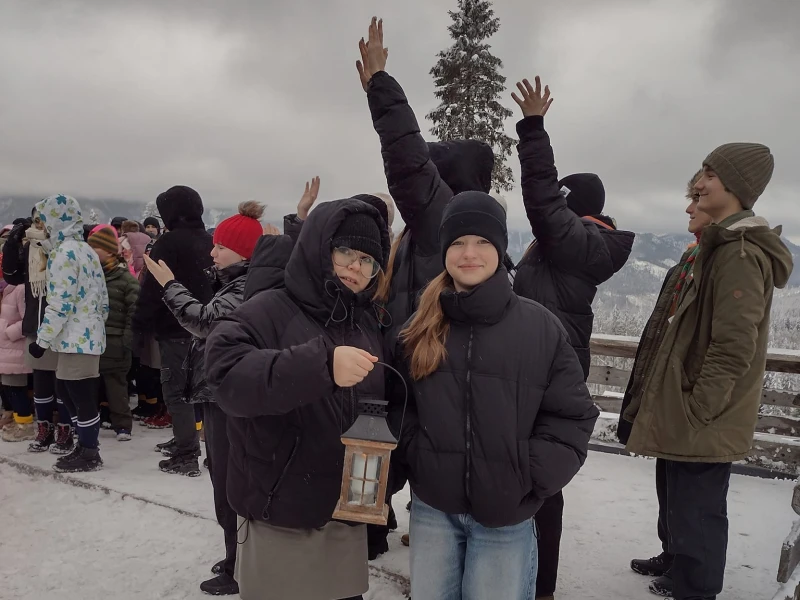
{"points": [[405, 540], [6, 419]]}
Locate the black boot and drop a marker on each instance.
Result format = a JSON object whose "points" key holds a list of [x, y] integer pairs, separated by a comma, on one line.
{"points": [[218, 568], [45, 437], [662, 586], [221, 585], [64, 442], [181, 465], [80, 460], [653, 567]]}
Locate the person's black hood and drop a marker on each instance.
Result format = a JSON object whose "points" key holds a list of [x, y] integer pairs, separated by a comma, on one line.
{"points": [[464, 165], [619, 244], [310, 278], [181, 207]]}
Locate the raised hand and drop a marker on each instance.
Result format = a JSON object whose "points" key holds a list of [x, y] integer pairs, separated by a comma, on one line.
{"points": [[308, 198], [159, 270], [351, 365], [373, 54], [533, 102]]}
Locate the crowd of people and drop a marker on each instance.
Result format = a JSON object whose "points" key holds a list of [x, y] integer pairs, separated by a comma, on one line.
{"points": [[265, 342]]}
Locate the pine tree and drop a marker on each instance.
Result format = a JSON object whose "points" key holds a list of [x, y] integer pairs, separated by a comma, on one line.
{"points": [[469, 84], [93, 218], [150, 210]]}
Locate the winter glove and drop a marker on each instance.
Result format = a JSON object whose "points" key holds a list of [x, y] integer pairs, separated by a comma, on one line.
{"points": [[36, 350], [18, 231]]}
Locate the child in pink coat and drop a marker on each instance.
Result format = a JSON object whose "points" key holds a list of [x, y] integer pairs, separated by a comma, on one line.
{"points": [[13, 371]]}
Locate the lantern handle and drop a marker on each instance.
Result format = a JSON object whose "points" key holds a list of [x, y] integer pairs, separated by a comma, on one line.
{"points": [[405, 400]]}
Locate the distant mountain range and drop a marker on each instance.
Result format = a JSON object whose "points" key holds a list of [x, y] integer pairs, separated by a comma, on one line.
{"points": [[652, 255]]}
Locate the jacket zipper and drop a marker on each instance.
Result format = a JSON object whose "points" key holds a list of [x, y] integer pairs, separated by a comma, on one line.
{"points": [[469, 414], [280, 479]]}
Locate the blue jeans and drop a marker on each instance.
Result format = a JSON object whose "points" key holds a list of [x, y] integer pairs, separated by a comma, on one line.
{"points": [[455, 558]]}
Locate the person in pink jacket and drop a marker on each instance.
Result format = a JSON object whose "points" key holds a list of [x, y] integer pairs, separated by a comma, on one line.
{"points": [[13, 371]]}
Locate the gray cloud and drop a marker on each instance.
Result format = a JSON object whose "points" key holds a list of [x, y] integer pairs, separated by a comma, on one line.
{"points": [[250, 99]]}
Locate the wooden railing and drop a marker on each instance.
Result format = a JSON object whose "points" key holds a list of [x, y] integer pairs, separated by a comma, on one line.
{"points": [[776, 444]]}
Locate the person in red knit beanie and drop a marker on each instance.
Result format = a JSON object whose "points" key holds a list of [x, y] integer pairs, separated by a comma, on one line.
{"points": [[234, 241], [238, 235]]}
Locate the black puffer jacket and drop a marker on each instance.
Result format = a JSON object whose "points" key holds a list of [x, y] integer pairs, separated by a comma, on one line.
{"points": [[267, 264], [15, 272], [186, 248], [422, 179], [269, 365], [505, 421], [199, 319], [571, 256]]}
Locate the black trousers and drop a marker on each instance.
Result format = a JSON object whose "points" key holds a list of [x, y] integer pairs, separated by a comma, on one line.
{"points": [[549, 522], [215, 422], [696, 497], [173, 384], [661, 492]]}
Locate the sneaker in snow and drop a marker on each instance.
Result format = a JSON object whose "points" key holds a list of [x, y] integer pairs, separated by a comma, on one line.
{"points": [[80, 460], [163, 421], [662, 586], [45, 436], [218, 568], [652, 567], [64, 443], [222, 585], [144, 411], [19, 432], [105, 417], [123, 435], [181, 465]]}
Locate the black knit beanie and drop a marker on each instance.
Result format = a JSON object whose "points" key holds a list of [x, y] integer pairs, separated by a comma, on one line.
{"points": [[152, 221], [585, 193], [360, 232], [474, 213]]}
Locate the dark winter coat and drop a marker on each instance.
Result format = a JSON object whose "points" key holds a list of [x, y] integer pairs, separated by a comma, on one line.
{"points": [[571, 256], [422, 179], [15, 272], [267, 264], [505, 420], [186, 249], [199, 319], [269, 365], [697, 400], [123, 292]]}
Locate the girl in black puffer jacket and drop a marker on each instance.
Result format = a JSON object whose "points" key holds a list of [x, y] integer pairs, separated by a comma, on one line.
{"points": [[234, 241], [499, 417], [283, 367]]}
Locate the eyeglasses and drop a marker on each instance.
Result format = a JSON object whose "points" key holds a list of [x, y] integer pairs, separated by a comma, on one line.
{"points": [[344, 257]]}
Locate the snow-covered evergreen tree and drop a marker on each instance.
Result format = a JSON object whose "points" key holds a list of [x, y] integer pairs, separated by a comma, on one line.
{"points": [[93, 218], [469, 84], [151, 210]]}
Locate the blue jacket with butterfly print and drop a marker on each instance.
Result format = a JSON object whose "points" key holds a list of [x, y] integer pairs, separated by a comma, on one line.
{"points": [[77, 298]]}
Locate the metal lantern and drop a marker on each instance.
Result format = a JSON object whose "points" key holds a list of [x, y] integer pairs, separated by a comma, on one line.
{"points": [[368, 446]]}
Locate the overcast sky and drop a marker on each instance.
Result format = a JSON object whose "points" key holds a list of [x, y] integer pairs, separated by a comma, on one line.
{"points": [[248, 99]]}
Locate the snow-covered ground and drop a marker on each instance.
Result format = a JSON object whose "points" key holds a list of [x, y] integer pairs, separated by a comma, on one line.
{"points": [[136, 533]]}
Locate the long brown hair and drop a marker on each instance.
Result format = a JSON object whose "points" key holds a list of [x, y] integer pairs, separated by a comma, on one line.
{"points": [[385, 284], [425, 336]]}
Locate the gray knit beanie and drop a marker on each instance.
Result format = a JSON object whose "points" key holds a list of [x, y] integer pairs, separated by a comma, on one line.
{"points": [[744, 169]]}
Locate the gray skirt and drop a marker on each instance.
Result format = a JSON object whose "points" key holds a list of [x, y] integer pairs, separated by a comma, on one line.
{"points": [[73, 367], [273, 563], [48, 362]]}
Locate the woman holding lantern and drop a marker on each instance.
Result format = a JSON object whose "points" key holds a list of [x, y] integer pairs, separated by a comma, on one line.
{"points": [[289, 367], [498, 418]]}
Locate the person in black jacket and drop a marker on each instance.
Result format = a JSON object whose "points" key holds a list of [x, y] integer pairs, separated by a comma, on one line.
{"points": [[498, 419], [186, 248], [575, 250], [283, 367], [234, 242], [422, 178], [25, 263]]}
